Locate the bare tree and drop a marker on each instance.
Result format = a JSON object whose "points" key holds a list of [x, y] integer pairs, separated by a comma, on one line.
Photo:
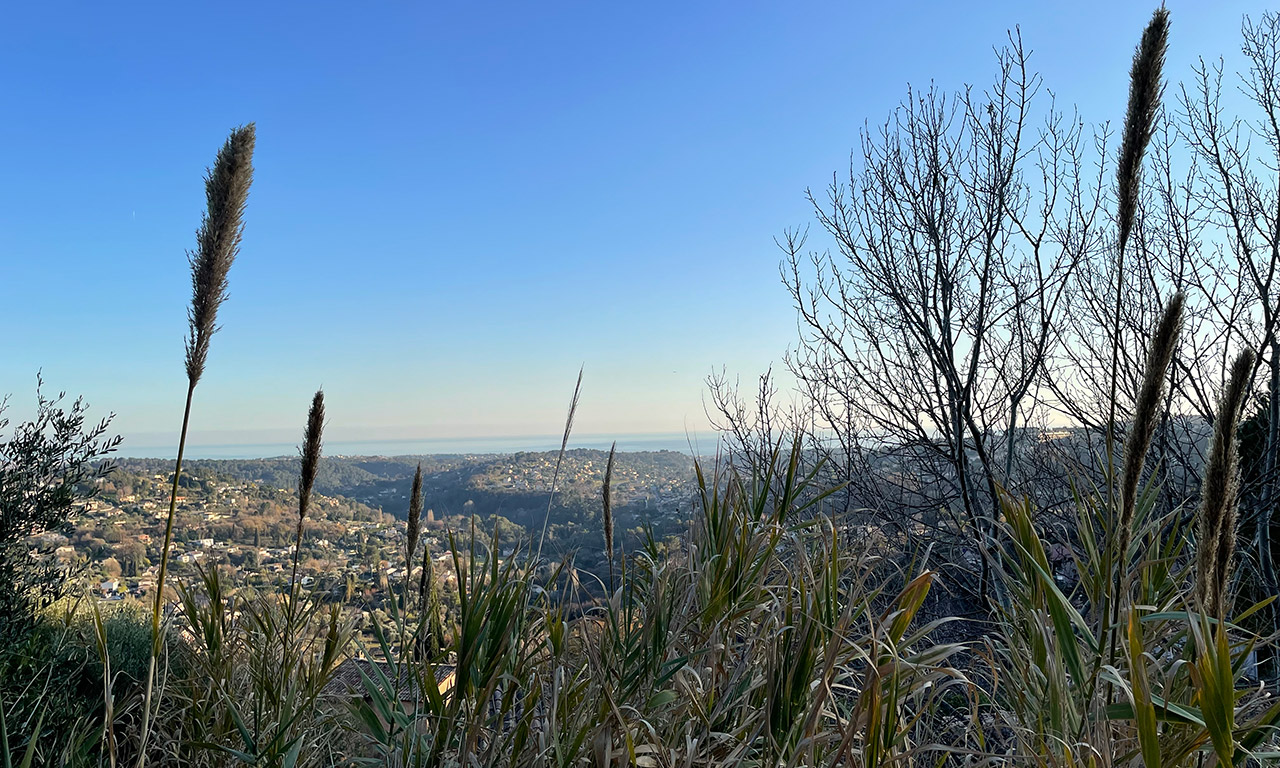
{"points": [[1237, 187], [751, 427], [924, 333], [969, 303]]}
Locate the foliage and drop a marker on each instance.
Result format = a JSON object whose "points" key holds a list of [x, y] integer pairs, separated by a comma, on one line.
{"points": [[47, 468], [767, 640], [54, 676]]}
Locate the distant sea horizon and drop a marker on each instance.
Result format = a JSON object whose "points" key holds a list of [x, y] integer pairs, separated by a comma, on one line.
{"points": [[704, 443]]}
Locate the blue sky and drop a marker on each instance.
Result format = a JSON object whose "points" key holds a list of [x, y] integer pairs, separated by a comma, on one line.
{"points": [[457, 204]]}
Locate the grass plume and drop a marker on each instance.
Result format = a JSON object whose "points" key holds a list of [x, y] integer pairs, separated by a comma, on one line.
{"points": [[311, 445], [606, 506], [1145, 90], [415, 515], [1215, 546], [1146, 85], [217, 243], [1146, 416]]}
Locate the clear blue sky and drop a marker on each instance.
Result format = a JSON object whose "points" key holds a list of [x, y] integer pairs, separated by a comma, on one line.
{"points": [[457, 204]]}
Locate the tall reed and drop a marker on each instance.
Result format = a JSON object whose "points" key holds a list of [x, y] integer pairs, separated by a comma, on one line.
{"points": [[260, 659], [1216, 518], [1145, 418], [410, 546], [312, 440], [217, 244], [412, 525], [1146, 85], [555, 475], [606, 506]]}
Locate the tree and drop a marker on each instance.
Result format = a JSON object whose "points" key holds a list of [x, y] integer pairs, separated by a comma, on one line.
{"points": [[1232, 194], [925, 331], [132, 557], [976, 290], [48, 466]]}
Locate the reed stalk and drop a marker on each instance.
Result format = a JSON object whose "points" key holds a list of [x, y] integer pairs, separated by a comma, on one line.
{"points": [[1146, 415], [217, 244], [606, 505], [429, 610], [555, 475], [425, 578], [1145, 89], [311, 445], [1216, 518]]}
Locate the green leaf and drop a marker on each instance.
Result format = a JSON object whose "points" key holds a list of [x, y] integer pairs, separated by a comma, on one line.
{"points": [[1140, 692], [245, 735], [291, 759], [35, 739], [1215, 688], [4, 739], [909, 603], [1166, 712]]}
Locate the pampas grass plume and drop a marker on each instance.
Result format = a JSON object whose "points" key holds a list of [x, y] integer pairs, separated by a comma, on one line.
{"points": [[415, 515], [1146, 415], [607, 507], [217, 242], [311, 443], [1217, 515], [1145, 87]]}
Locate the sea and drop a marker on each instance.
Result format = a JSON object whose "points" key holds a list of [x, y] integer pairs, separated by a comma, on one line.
{"points": [[700, 444]]}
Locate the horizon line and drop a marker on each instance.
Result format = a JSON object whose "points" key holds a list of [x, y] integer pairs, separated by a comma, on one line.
{"points": [[685, 442]]}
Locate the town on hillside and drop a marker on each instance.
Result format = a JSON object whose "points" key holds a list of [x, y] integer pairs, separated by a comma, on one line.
{"points": [[241, 516]]}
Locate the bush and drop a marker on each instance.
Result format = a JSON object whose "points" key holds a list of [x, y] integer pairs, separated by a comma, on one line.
{"points": [[55, 673]]}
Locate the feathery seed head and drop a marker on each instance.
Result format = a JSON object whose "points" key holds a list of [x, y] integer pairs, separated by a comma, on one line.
{"points": [[1147, 413], [607, 508], [1216, 524], [217, 242], [310, 454], [1145, 88], [415, 514]]}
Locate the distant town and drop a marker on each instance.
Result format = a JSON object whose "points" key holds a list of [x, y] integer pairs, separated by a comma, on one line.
{"points": [[241, 516]]}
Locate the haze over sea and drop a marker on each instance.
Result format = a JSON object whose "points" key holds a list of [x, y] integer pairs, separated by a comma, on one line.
{"points": [[665, 441]]}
